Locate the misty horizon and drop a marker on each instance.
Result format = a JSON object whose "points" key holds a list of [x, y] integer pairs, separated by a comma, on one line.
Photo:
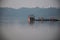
{"points": [[32, 7]]}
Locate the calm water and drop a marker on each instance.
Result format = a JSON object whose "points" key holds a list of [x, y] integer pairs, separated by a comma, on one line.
{"points": [[15, 26], [15, 30]]}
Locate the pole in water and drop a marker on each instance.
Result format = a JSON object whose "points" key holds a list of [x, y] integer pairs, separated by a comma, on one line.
{"points": [[28, 19]]}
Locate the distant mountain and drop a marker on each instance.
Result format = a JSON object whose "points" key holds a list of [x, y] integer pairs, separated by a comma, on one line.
{"points": [[23, 13]]}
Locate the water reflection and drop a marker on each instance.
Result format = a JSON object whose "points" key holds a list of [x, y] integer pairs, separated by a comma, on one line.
{"points": [[32, 31], [43, 22]]}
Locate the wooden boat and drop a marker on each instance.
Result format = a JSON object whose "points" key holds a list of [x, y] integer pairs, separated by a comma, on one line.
{"points": [[32, 19]]}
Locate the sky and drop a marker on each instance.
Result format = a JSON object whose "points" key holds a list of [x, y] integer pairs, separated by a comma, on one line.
{"points": [[30, 3]]}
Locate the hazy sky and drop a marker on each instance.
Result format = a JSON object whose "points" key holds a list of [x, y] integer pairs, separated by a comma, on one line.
{"points": [[30, 3]]}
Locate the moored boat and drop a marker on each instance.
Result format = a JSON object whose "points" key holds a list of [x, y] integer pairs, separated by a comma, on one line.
{"points": [[32, 19]]}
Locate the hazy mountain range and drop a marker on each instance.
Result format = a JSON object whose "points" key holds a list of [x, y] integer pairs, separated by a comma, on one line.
{"points": [[22, 13]]}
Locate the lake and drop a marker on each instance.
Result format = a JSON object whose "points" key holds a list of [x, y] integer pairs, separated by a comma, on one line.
{"points": [[15, 30]]}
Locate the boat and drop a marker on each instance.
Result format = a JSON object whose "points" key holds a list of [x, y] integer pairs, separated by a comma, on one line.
{"points": [[32, 19]]}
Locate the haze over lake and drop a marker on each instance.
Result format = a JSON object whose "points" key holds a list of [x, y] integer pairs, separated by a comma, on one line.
{"points": [[16, 27], [14, 23]]}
